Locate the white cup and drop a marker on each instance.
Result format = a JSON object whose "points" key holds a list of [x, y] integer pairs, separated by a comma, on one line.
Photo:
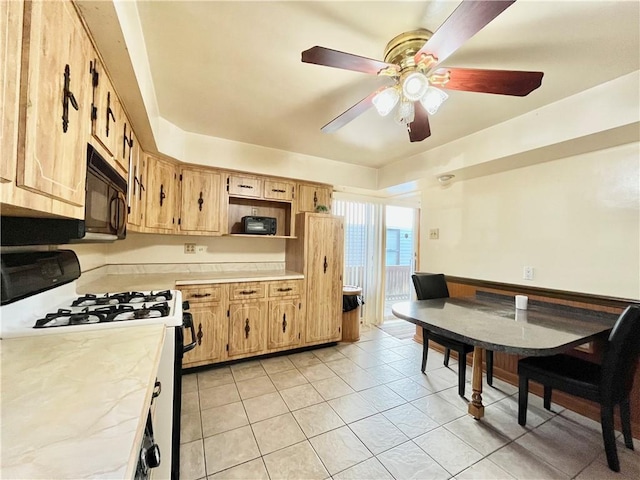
{"points": [[521, 302]]}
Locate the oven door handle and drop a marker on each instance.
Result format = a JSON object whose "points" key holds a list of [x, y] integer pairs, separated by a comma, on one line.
{"points": [[187, 321]]}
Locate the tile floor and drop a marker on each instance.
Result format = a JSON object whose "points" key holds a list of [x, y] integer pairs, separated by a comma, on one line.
{"points": [[365, 411]]}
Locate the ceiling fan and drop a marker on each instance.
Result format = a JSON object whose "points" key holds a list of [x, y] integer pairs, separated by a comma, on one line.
{"points": [[411, 60]]}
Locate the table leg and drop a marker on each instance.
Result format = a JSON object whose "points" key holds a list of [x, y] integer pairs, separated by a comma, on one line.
{"points": [[476, 409]]}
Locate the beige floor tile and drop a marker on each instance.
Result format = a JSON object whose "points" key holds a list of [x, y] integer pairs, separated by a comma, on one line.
{"points": [[377, 433], [190, 402], [408, 461], [300, 396], [328, 354], [189, 383], [265, 406], [214, 378], [408, 389], [409, 420], [352, 407], [438, 409], [369, 469], [317, 419], [385, 373], [192, 460], [477, 434], [373, 345], [368, 360], [382, 397], [449, 451], [228, 449], [434, 383], [223, 418], [296, 462], [190, 427], [287, 379], [339, 449], [535, 415], [359, 380], [484, 470], [524, 465], [407, 367], [277, 364], [247, 371], [255, 387], [343, 365], [313, 373], [252, 470], [331, 388], [599, 470], [304, 359], [216, 396], [276, 433]]}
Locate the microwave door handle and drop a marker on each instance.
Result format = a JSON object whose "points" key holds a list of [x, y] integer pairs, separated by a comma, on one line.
{"points": [[122, 215], [113, 213]]}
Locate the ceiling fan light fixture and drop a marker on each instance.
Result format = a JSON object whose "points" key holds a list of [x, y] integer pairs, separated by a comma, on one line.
{"points": [[432, 99], [414, 86], [405, 113], [385, 100]]}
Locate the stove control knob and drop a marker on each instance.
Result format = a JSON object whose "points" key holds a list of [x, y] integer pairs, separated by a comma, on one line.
{"points": [[152, 456]]}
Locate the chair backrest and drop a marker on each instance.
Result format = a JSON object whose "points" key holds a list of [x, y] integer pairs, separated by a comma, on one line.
{"points": [[430, 285], [620, 359]]}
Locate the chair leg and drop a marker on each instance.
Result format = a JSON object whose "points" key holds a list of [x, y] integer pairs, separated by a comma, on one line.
{"points": [[447, 354], [425, 348], [523, 399], [625, 419], [462, 370], [608, 435], [547, 397], [490, 367]]}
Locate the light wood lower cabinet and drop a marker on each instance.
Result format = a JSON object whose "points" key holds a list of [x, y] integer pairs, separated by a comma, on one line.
{"points": [[247, 322], [284, 323]]}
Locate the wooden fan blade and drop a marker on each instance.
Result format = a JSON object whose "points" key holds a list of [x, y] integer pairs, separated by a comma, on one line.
{"points": [[353, 112], [466, 20], [347, 61], [419, 129], [501, 82]]}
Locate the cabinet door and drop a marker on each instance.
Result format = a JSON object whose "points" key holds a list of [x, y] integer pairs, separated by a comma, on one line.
{"points": [[10, 49], [310, 196], [210, 322], [244, 186], [161, 181], [136, 191], [284, 323], [57, 101], [200, 208], [325, 241], [124, 137], [247, 327], [278, 190], [104, 109]]}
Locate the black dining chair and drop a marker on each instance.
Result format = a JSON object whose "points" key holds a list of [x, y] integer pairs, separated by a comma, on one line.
{"points": [[430, 286], [608, 384]]}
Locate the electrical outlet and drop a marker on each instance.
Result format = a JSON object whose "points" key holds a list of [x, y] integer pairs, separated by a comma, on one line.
{"points": [[254, 212], [434, 234], [189, 248], [527, 273], [201, 248]]}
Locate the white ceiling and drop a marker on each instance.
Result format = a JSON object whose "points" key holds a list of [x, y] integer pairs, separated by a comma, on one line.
{"points": [[232, 69]]}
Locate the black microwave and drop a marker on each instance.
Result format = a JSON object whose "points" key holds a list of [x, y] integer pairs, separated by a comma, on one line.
{"points": [[259, 225]]}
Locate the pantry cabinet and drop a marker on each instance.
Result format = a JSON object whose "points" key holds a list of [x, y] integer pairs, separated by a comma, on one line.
{"points": [[201, 202], [160, 192], [56, 94], [312, 195], [207, 306]]}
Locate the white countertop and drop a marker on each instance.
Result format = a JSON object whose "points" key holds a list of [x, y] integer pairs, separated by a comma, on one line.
{"points": [[163, 281], [74, 405]]}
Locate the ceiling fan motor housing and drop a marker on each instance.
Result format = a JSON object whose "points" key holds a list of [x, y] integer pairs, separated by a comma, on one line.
{"points": [[402, 48]]}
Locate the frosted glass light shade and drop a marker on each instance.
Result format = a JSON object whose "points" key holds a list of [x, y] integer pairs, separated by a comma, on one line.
{"points": [[432, 99], [405, 113], [414, 86], [385, 100]]}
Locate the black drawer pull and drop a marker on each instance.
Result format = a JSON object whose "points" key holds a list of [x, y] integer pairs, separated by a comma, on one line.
{"points": [[288, 289], [326, 265], [247, 329], [278, 190], [284, 323], [200, 202], [248, 292], [201, 295], [241, 185], [162, 194], [200, 334]]}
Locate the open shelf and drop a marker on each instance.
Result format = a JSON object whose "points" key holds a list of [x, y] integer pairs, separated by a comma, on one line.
{"points": [[248, 235], [242, 207]]}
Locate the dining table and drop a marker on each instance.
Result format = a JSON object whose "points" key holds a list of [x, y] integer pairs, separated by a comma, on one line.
{"points": [[490, 321]]}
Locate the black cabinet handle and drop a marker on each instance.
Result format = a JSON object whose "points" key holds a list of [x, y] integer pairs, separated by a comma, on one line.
{"points": [[248, 292], [278, 190], [157, 389], [200, 334], [284, 322], [288, 289], [200, 202], [67, 97], [315, 199], [109, 113], [326, 265], [247, 328], [162, 194], [201, 295], [245, 186]]}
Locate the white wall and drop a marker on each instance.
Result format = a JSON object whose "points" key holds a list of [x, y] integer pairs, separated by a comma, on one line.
{"points": [[575, 220], [90, 255]]}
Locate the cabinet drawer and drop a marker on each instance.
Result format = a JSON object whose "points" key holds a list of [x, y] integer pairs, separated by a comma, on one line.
{"points": [[289, 288], [245, 186], [202, 294], [275, 190], [245, 291]]}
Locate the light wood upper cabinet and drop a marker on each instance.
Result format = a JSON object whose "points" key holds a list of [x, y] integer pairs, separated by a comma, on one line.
{"points": [[160, 191], [245, 185], [10, 49], [104, 108], [57, 95], [278, 190], [247, 327], [201, 201], [137, 194], [310, 196]]}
